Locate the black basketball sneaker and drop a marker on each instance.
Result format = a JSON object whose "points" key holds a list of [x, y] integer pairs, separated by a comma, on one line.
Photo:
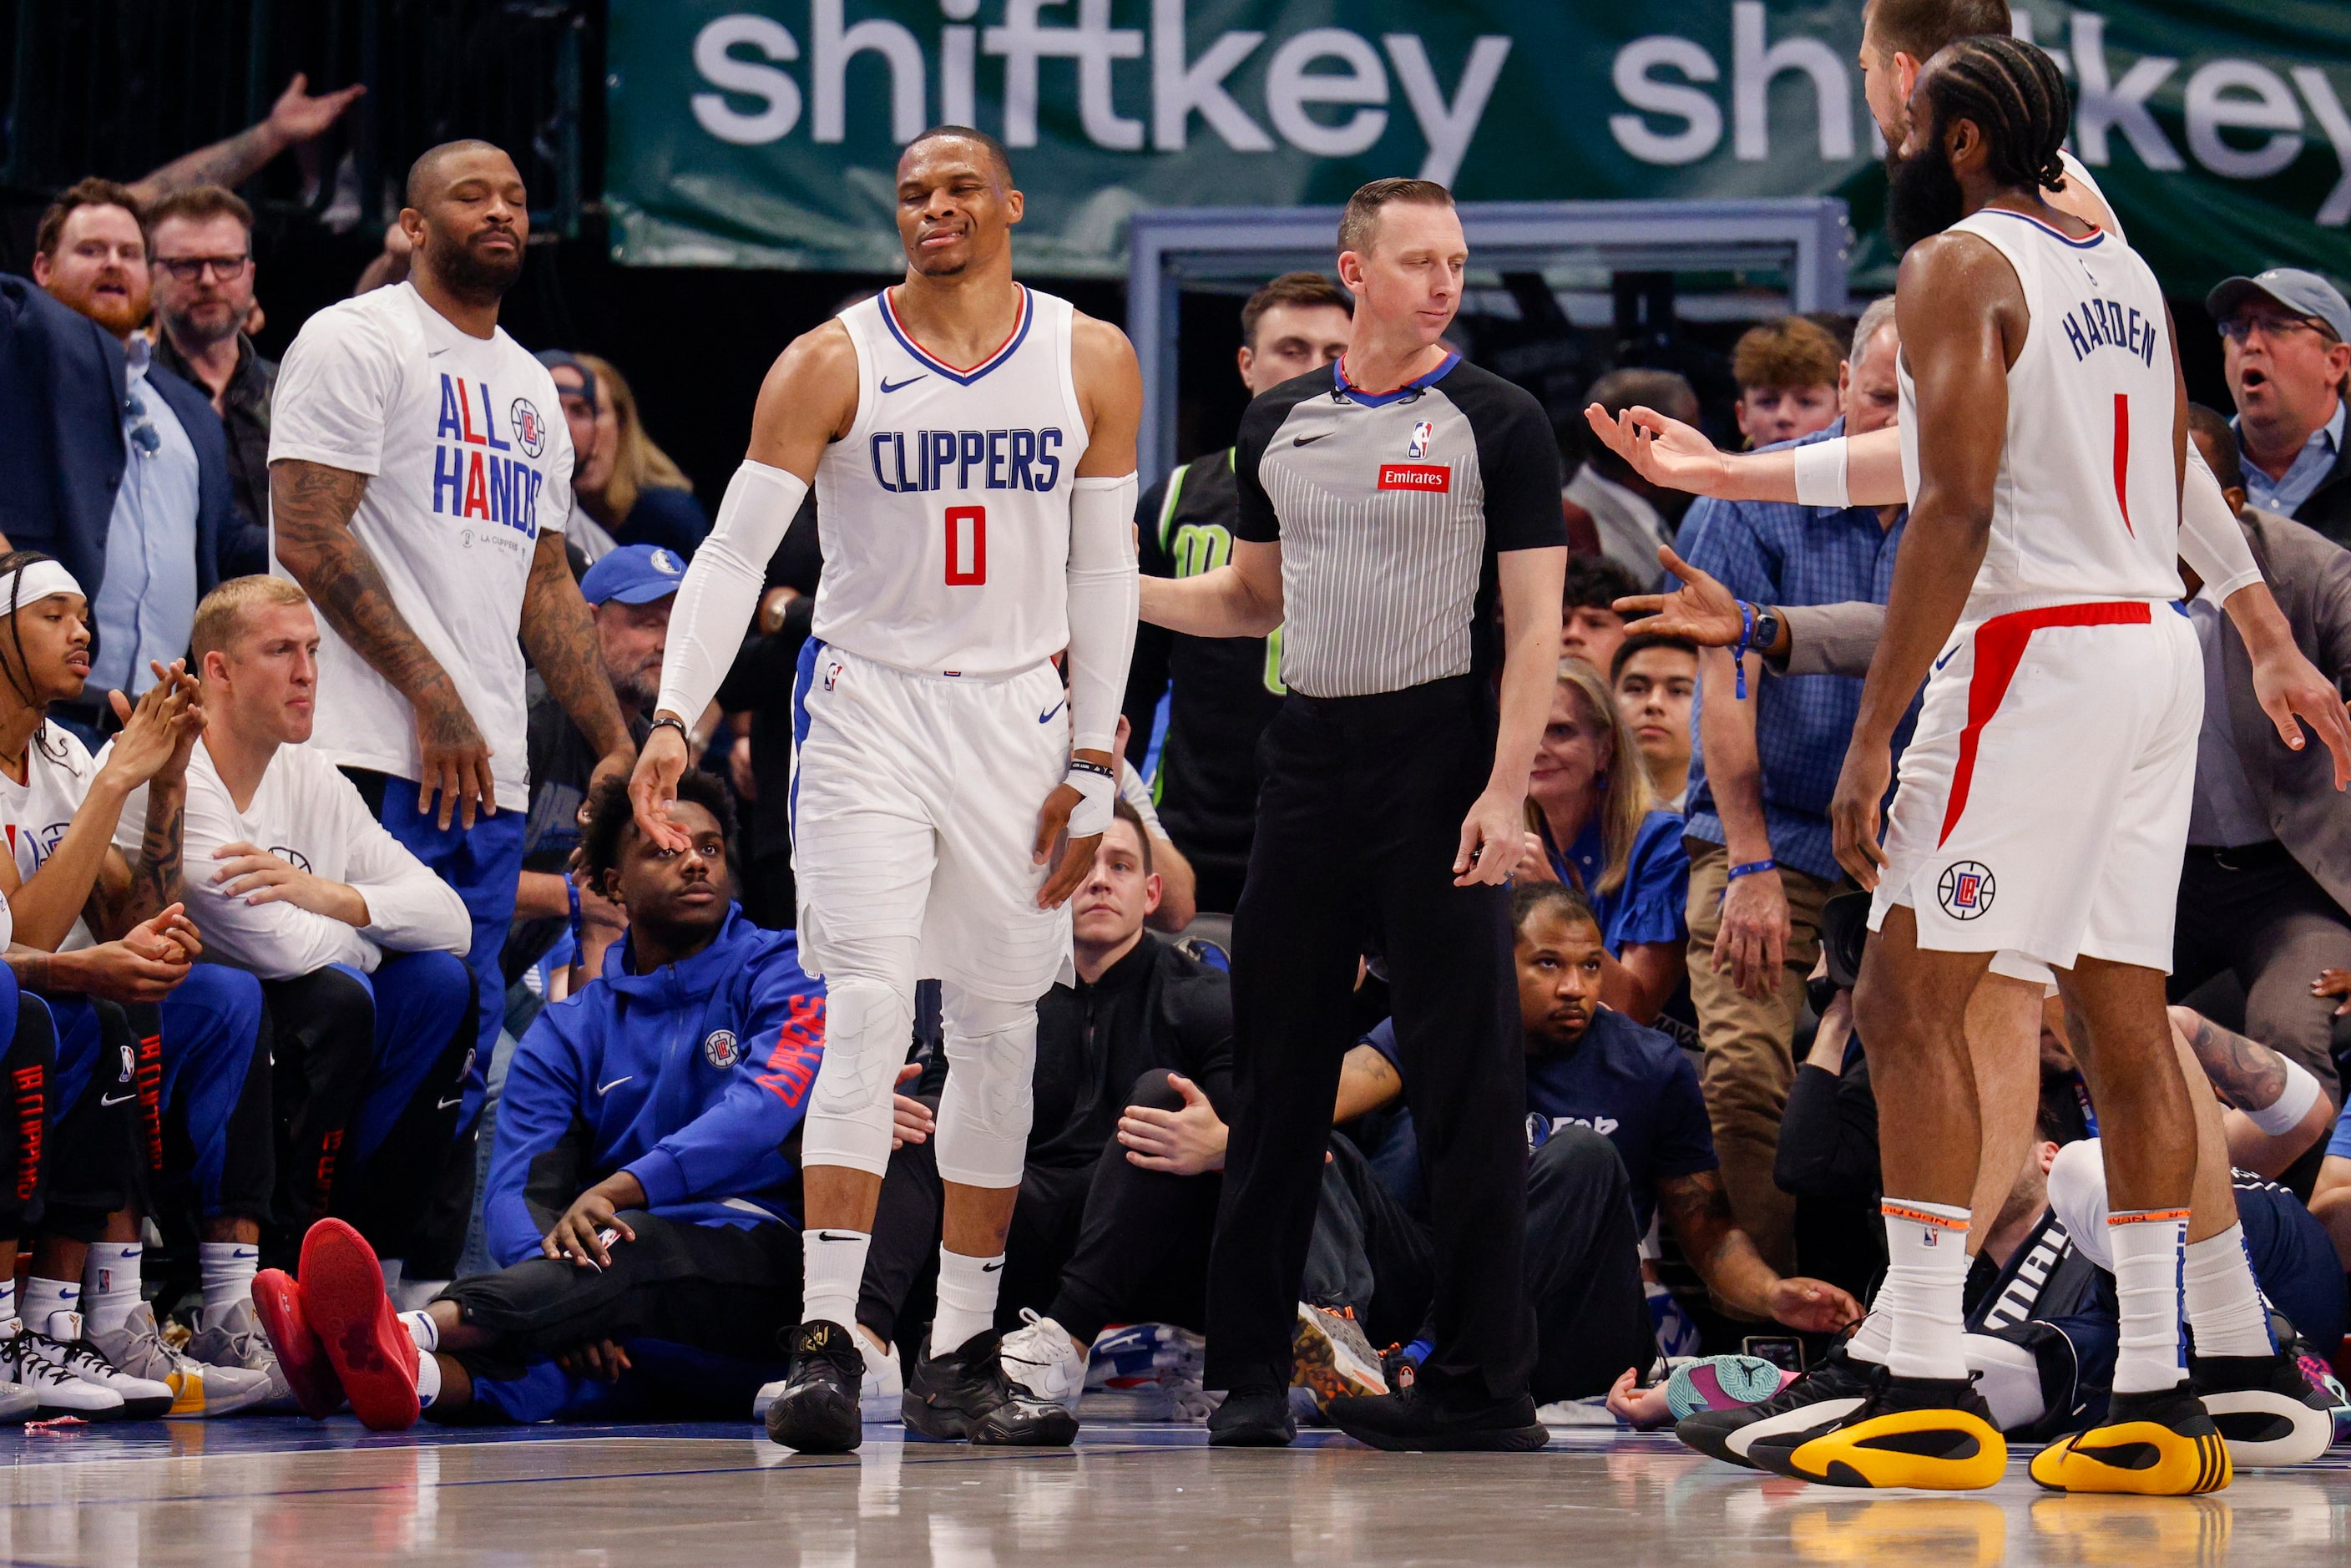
{"points": [[2265, 1409], [966, 1394], [1834, 1387], [817, 1411]]}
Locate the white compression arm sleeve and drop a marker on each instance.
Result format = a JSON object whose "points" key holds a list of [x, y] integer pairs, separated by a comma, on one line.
{"points": [[721, 591], [1104, 594], [1821, 473], [2210, 540]]}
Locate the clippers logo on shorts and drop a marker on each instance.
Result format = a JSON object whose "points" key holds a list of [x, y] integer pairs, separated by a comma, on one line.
{"points": [[1422, 435], [1966, 889], [1434, 478], [720, 1051], [469, 478]]}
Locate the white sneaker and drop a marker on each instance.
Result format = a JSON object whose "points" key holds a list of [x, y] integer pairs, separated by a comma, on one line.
{"points": [[36, 1362], [881, 1393], [64, 1350], [1040, 1356], [138, 1351], [233, 1339]]}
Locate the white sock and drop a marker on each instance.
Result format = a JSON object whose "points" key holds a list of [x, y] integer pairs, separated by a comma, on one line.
{"points": [[227, 1267], [2147, 1244], [967, 1298], [423, 1331], [428, 1379], [1873, 1339], [832, 1265], [1926, 1278], [110, 1283], [2225, 1312], [43, 1297], [8, 1299]]}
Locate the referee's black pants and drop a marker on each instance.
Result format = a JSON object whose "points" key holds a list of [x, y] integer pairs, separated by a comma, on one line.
{"points": [[1359, 818]]}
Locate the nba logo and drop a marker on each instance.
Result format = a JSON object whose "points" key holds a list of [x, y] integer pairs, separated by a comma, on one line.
{"points": [[831, 674], [1422, 435]]}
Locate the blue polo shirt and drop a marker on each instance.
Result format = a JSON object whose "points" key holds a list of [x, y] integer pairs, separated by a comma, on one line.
{"points": [[1651, 903], [1632, 1084], [1775, 552]]}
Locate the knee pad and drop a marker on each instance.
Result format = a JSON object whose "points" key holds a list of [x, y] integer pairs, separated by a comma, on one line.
{"points": [[868, 1024], [2077, 1191], [984, 1112]]}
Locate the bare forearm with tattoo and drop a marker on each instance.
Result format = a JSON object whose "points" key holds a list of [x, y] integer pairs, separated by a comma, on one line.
{"points": [[2249, 1074], [560, 636], [230, 163], [1697, 1209], [33, 969], [155, 881], [311, 521]]}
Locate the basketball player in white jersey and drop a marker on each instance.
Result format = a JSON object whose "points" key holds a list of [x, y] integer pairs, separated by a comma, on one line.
{"points": [[2263, 1406], [972, 445]]}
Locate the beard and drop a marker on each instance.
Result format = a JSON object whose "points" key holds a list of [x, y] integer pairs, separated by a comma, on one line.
{"points": [[469, 274], [1922, 196]]}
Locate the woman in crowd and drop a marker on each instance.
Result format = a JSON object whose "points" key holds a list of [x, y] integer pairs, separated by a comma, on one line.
{"points": [[1655, 678], [629, 486], [1590, 813]]}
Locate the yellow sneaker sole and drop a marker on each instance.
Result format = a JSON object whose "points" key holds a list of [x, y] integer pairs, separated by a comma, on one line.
{"points": [[1891, 1451], [2140, 1457]]}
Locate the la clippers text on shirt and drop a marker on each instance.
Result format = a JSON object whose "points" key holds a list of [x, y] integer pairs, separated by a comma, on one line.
{"points": [[470, 479]]}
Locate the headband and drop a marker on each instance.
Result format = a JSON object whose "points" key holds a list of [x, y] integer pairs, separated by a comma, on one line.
{"points": [[34, 580]]}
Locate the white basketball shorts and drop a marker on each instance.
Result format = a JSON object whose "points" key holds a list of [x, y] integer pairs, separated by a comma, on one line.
{"points": [[915, 804], [2043, 805]]}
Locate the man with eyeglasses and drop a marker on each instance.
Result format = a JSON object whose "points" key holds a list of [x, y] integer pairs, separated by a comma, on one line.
{"points": [[2284, 347], [107, 461], [202, 242]]}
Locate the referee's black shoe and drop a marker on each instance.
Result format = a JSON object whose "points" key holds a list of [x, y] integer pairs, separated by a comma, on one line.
{"points": [[817, 1412], [1257, 1417], [1414, 1422], [966, 1394]]}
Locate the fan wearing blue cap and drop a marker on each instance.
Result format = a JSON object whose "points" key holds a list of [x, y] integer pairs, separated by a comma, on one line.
{"points": [[2285, 337], [629, 594]]}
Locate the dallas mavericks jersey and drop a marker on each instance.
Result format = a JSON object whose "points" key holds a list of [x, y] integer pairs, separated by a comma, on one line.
{"points": [[945, 512], [2087, 501]]}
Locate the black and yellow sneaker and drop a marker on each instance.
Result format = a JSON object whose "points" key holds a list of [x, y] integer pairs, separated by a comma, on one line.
{"points": [[2154, 1444], [816, 1412], [1833, 1389], [1935, 1433], [2265, 1409]]}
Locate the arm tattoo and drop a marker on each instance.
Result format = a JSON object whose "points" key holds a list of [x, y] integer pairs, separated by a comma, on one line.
{"points": [[1698, 1210], [311, 506], [2248, 1073], [117, 903], [30, 965], [560, 636], [231, 163]]}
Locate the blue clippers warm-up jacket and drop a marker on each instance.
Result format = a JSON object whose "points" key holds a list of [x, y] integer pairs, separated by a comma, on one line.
{"points": [[691, 1078]]}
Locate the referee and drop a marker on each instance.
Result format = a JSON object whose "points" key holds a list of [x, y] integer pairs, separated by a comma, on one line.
{"points": [[1384, 504]]}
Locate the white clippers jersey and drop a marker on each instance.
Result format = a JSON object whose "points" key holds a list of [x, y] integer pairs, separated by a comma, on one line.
{"points": [[2087, 501], [945, 513]]}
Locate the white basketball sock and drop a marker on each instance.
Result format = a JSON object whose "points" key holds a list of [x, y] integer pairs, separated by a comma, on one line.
{"points": [[1874, 1341], [967, 1298], [428, 1379], [1926, 1278], [423, 1329], [2147, 1244], [832, 1265], [43, 1297], [2225, 1312], [227, 1267], [109, 1284]]}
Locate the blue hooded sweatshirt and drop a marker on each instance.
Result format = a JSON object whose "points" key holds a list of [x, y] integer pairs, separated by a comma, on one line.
{"points": [[692, 1078]]}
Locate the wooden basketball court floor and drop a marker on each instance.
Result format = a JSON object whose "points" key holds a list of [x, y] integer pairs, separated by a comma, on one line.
{"points": [[292, 1491]]}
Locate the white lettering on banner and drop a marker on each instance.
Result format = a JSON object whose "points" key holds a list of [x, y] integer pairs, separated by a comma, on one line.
{"points": [[2106, 104], [720, 69], [2320, 94], [2271, 108], [1290, 87], [1447, 130], [1702, 118], [834, 47], [1179, 90], [1093, 43], [1753, 67]]}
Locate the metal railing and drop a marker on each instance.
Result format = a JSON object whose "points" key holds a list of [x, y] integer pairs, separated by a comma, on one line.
{"points": [[122, 87]]}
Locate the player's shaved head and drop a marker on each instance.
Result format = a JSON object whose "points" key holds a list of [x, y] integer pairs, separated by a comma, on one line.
{"points": [[988, 146], [428, 174]]}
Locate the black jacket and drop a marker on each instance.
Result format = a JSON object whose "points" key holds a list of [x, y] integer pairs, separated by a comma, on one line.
{"points": [[1155, 1008], [2329, 508]]}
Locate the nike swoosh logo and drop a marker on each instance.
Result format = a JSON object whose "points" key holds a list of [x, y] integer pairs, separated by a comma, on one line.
{"points": [[1304, 440], [603, 1089], [444, 1104], [836, 1236], [115, 1099], [1946, 658], [436, 353], [889, 386], [990, 1268], [1047, 716]]}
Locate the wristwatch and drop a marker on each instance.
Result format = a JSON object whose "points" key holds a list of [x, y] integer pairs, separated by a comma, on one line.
{"points": [[1767, 630]]}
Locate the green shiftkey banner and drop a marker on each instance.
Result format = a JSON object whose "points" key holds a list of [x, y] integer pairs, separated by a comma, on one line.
{"points": [[764, 132]]}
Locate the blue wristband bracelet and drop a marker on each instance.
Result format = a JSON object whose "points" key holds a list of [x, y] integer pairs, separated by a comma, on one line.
{"points": [[1750, 869], [1739, 655], [571, 890]]}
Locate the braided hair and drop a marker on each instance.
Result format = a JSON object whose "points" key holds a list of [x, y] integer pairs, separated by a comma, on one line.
{"points": [[18, 670], [2016, 97]]}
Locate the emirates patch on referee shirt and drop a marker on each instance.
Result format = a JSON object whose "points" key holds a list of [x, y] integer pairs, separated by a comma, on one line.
{"points": [[1435, 477]]}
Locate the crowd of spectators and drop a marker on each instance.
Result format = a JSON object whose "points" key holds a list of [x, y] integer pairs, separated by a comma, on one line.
{"points": [[255, 988]]}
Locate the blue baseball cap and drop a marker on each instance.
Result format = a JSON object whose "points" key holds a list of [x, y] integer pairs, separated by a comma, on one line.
{"points": [[633, 574]]}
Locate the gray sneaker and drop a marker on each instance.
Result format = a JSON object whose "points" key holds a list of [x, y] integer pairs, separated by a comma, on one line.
{"points": [[234, 1339], [137, 1350]]}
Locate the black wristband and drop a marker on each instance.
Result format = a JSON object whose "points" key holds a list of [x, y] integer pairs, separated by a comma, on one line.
{"points": [[671, 721], [1086, 765]]}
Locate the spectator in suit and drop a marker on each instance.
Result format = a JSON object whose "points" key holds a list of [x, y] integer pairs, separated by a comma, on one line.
{"points": [[204, 273], [2283, 349], [107, 461], [1631, 516]]}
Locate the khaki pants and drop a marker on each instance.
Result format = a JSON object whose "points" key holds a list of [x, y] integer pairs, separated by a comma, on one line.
{"points": [[1750, 1060]]}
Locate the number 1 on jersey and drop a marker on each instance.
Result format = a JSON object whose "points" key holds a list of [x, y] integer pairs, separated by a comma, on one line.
{"points": [[966, 546]]}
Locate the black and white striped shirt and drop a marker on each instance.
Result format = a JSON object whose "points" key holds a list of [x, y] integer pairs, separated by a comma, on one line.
{"points": [[1390, 508]]}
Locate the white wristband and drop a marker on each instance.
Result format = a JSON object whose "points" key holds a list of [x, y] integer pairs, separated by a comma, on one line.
{"points": [[1090, 815], [2286, 1113], [1820, 474]]}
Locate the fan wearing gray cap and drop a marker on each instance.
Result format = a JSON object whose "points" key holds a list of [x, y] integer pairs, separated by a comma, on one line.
{"points": [[2285, 345]]}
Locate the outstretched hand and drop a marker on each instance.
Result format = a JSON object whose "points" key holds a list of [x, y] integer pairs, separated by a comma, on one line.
{"points": [[1701, 610], [2290, 688], [652, 788], [1812, 1306], [301, 115], [1662, 450]]}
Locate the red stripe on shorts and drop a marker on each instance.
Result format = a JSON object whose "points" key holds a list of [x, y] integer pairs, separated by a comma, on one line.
{"points": [[2000, 648]]}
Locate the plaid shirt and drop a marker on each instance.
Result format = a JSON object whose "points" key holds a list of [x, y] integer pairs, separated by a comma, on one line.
{"points": [[1776, 552]]}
